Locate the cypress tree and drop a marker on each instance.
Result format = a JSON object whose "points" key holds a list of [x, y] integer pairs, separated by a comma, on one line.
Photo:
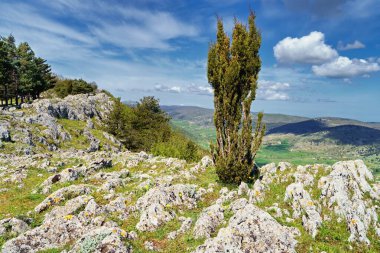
{"points": [[232, 71]]}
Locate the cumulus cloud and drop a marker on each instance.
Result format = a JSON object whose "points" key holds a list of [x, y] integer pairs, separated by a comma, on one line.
{"points": [[310, 49], [343, 67], [270, 90], [354, 45]]}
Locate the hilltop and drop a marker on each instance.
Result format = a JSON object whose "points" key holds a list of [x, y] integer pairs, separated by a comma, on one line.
{"points": [[68, 186]]}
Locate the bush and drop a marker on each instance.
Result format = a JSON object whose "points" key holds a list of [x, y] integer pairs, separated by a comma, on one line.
{"points": [[65, 87], [178, 146]]}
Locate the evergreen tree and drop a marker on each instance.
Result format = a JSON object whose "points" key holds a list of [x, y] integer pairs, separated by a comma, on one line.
{"points": [[27, 68], [118, 121], [21, 72], [232, 71], [10, 80], [150, 124], [43, 78], [5, 68]]}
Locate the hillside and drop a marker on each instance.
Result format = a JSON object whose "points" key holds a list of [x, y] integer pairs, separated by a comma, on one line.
{"points": [[67, 186], [203, 116], [295, 139]]}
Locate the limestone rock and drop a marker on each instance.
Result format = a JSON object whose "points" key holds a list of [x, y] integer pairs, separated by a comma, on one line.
{"points": [[61, 195], [251, 230], [154, 216], [185, 226], [102, 240], [243, 189], [206, 162], [154, 203], [13, 226], [208, 221], [4, 133], [343, 191], [302, 204]]}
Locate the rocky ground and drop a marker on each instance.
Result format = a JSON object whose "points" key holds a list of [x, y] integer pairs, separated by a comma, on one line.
{"points": [[67, 186]]}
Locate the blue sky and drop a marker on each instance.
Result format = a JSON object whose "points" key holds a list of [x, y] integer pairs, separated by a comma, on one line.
{"points": [[320, 57]]}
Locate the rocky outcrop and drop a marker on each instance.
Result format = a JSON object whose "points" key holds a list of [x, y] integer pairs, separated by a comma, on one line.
{"points": [[74, 107], [304, 206], [156, 203], [252, 230], [57, 231], [208, 221], [343, 190], [102, 240], [40, 122], [61, 195]]}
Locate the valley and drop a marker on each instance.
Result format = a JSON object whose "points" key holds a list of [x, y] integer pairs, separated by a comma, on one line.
{"points": [[299, 140]]}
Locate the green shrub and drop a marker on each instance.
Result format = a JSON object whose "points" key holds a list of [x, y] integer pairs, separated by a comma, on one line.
{"points": [[178, 146], [65, 87]]}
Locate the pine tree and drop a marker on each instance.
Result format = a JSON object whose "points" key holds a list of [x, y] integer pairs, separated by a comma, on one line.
{"points": [[233, 70], [150, 124], [21, 72], [10, 68], [27, 69], [5, 68]]}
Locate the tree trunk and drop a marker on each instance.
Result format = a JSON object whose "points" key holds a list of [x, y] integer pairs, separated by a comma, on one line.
{"points": [[6, 95]]}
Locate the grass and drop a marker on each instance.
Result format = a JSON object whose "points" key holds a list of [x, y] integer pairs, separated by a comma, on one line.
{"points": [[25, 199], [283, 152]]}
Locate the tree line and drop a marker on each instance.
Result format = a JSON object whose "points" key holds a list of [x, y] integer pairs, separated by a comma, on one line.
{"points": [[23, 75]]}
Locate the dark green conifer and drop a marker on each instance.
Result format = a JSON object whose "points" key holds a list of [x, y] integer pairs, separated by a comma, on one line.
{"points": [[233, 69]]}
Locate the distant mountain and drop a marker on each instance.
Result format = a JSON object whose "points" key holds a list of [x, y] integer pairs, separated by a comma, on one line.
{"points": [[276, 123], [344, 131], [203, 116]]}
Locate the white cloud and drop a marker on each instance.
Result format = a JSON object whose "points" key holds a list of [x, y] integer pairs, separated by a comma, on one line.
{"points": [[343, 67], [267, 90], [164, 88], [21, 15], [143, 29], [270, 90], [354, 45], [309, 49], [192, 88], [200, 90]]}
